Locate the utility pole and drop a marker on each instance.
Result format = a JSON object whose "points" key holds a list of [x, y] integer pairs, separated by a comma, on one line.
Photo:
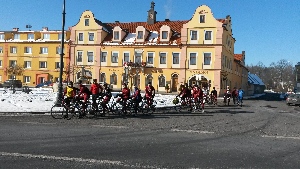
{"points": [[60, 85]]}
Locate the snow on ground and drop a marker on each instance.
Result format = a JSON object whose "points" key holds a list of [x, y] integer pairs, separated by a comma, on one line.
{"points": [[41, 100]]}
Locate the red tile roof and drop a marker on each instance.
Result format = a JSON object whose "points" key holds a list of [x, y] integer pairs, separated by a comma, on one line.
{"points": [[238, 57]]}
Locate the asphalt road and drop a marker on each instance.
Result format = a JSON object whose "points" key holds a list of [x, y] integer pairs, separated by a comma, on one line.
{"points": [[261, 134]]}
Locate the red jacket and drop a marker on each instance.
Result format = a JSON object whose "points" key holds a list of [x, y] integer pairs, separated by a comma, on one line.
{"points": [[136, 94], [149, 90], [197, 92], [125, 93], [83, 90], [95, 88]]}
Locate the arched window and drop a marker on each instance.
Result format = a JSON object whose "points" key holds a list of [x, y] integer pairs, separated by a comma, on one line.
{"points": [[102, 78], [161, 81], [149, 79], [113, 79]]}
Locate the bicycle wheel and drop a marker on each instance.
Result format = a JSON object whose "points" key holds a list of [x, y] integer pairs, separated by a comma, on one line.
{"points": [[58, 112]]}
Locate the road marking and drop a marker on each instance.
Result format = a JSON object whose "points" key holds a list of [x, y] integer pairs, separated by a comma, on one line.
{"points": [[120, 127], [281, 137], [94, 161], [193, 131], [32, 122]]}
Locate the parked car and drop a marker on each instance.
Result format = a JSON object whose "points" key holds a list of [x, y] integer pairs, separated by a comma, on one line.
{"points": [[47, 83], [293, 99], [10, 82]]}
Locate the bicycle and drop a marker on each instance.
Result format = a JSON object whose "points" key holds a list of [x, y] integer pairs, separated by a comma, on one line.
{"points": [[146, 107]]}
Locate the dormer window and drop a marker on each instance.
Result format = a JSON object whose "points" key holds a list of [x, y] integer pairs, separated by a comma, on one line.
{"points": [[140, 35], [2, 36], [202, 18], [86, 22], [17, 36], [46, 36], [30, 36], [164, 35], [116, 35]]}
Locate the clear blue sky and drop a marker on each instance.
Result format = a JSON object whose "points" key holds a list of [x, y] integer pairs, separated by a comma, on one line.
{"points": [[267, 30]]}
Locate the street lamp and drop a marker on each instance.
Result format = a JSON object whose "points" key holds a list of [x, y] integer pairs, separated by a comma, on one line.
{"points": [[60, 85]]}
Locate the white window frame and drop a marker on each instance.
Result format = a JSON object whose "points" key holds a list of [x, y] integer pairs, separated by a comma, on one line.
{"points": [[60, 36], [30, 36], [200, 18], [124, 57], [58, 49], [164, 33], [101, 57], [86, 22], [46, 36], [2, 36], [191, 36], [113, 62], [16, 36], [159, 83], [204, 63], [211, 37], [190, 62], [27, 64], [27, 79], [43, 50], [135, 56], [118, 35], [78, 57], [12, 63], [28, 50], [91, 34], [41, 66], [80, 40], [153, 56], [163, 65], [13, 49], [88, 59], [57, 65], [140, 36], [173, 58], [1, 49]]}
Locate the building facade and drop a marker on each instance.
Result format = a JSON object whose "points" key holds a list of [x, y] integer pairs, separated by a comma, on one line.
{"points": [[32, 56], [166, 53]]}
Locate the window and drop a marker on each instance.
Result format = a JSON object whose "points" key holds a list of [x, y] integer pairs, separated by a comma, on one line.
{"points": [[30, 36], [80, 37], [102, 77], [208, 35], [79, 56], [58, 50], [194, 35], [17, 36], [138, 57], [12, 77], [114, 57], [26, 79], [57, 65], [113, 79], [46, 36], [1, 49], [2, 36], [27, 50], [116, 35], [0, 63], [13, 49], [207, 58], [175, 58], [12, 63], [162, 58], [202, 18], [91, 36], [90, 56], [150, 58], [193, 58], [103, 56], [60, 36], [43, 64], [43, 50], [161, 81], [140, 35], [87, 22], [27, 64], [164, 35], [126, 57]]}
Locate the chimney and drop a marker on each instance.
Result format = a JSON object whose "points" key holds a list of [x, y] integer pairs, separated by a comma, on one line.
{"points": [[117, 21], [167, 20], [15, 29], [45, 28]]}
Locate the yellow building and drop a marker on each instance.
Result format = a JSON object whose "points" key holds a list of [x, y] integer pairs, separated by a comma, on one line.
{"points": [[195, 51], [35, 53]]}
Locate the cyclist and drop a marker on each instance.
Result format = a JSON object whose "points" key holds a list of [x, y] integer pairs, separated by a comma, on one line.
{"points": [[196, 92], [227, 94], [149, 93], [107, 96], [137, 98], [95, 90], [69, 93], [186, 94], [125, 96], [214, 95], [84, 94]]}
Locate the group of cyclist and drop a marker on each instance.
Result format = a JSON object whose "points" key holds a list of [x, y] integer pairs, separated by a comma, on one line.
{"points": [[82, 94]]}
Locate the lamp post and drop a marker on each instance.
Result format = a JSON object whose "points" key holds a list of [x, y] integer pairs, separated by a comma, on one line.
{"points": [[60, 85]]}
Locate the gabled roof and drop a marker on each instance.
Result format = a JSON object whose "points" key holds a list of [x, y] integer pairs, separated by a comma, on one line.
{"points": [[254, 79], [238, 57]]}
